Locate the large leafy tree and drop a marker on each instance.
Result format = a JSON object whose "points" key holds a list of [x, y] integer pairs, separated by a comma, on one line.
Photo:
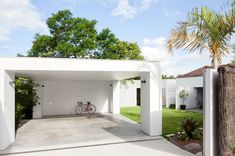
{"points": [[122, 50], [77, 37], [205, 29]]}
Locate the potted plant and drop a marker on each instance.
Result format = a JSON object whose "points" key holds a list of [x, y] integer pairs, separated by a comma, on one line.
{"points": [[183, 96]]}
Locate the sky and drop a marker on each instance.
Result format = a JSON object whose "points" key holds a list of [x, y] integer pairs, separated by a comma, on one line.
{"points": [[147, 22]]}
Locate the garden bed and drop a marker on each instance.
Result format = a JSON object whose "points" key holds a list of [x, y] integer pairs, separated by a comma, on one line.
{"points": [[175, 140]]}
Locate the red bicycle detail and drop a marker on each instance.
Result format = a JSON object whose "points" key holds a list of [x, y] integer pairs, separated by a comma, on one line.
{"points": [[88, 107]]}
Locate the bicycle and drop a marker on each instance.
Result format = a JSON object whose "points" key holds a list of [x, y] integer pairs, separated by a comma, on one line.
{"points": [[88, 107]]}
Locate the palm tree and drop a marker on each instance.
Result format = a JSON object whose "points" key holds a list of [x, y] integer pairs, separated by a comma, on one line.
{"points": [[205, 29]]}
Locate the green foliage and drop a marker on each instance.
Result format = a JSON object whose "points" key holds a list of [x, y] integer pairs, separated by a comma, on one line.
{"points": [[172, 106], [122, 50], [164, 77], [25, 97], [205, 30], [77, 37], [189, 129], [183, 94]]}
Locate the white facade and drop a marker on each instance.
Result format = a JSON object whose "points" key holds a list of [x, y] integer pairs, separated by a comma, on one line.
{"points": [[67, 81], [128, 93], [172, 88]]}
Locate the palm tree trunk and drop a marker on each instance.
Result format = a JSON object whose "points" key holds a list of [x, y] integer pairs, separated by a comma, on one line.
{"points": [[215, 62], [226, 111]]}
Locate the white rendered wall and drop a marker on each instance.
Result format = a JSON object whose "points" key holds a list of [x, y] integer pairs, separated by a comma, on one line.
{"points": [[169, 88], [191, 101], [189, 82], [128, 93], [7, 109], [190, 85], [151, 107], [61, 97]]}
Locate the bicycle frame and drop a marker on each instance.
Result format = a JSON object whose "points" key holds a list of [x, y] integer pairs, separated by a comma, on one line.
{"points": [[85, 107]]}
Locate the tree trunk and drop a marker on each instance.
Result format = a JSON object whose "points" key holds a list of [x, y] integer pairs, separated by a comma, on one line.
{"points": [[215, 62], [226, 110]]}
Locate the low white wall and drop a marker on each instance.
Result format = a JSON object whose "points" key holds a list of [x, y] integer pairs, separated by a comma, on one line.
{"points": [[171, 89], [60, 97], [191, 101], [189, 82], [128, 93]]}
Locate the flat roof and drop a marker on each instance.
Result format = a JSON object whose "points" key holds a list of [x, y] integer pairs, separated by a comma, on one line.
{"points": [[39, 68]]}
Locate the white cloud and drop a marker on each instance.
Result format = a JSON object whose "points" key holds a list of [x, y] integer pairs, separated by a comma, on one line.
{"points": [[155, 49], [127, 10], [179, 63], [171, 13], [19, 14]]}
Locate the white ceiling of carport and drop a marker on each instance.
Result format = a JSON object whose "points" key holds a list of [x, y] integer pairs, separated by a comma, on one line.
{"points": [[77, 75]]}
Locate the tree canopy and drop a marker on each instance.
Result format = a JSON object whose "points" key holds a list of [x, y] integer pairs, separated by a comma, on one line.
{"points": [[77, 37], [206, 29]]}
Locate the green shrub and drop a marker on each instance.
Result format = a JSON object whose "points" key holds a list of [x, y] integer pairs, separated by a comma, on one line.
{"points": [[189, 129], [25, 99], [172, 106], [183, 94]]}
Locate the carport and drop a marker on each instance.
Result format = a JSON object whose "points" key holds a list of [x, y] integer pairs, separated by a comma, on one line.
{"points": [[66, 81]]}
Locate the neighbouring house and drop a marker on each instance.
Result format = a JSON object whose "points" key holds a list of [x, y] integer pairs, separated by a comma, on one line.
{"points": [[192, 82], [66, 81]]}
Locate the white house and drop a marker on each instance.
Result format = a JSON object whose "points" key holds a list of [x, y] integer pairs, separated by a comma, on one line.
{"points": [[67, 81], [192, 82]]}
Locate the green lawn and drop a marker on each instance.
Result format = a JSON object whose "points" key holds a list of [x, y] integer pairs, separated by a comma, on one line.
{"points": [[170, 117]]}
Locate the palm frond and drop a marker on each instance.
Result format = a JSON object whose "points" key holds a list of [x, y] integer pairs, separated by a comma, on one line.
{"points": [[205, 29]]}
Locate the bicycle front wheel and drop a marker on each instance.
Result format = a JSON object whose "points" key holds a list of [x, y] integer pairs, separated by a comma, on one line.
{"points": [[91, 109], [78, 110]]}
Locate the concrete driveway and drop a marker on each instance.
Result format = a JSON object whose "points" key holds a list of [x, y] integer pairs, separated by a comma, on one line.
{"points": [[77, 133]]}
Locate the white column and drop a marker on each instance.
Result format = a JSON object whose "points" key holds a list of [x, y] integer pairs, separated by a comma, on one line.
{"points": [[115, 109], [210, 136], [7, 109], [151, 107]]}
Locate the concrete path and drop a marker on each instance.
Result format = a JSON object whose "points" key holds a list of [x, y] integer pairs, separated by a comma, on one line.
{"points": [[141, 148], [87, 134]]}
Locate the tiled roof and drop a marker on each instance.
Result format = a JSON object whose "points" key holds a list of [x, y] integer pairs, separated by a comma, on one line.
{"points": [[195, 73], [199, 71]]}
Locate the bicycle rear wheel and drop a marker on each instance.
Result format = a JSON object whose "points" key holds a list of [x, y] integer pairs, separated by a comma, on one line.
{"points": [[78, 110], [91, 109]]}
